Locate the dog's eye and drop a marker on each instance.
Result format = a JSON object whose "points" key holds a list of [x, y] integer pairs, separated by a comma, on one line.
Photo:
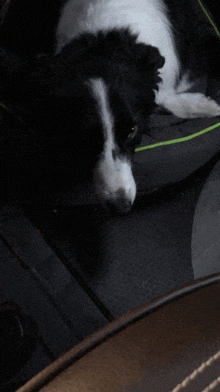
{"points": [[133, 132]]}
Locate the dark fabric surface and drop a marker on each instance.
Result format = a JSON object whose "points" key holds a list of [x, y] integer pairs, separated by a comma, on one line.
{"points": [[206, 227]]}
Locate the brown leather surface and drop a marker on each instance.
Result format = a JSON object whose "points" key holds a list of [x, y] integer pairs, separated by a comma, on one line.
{"points": [[154, 353]]}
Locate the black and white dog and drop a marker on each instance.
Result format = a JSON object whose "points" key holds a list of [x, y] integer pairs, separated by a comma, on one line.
{"points": [[114, 62]]}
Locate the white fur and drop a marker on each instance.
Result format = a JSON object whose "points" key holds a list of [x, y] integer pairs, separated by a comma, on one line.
{"points": [[149, 19], [111, 175], [190, 105]]}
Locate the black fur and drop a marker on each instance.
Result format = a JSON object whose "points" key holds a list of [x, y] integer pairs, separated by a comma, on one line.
{"points": [[54, 89], [52, 94]]}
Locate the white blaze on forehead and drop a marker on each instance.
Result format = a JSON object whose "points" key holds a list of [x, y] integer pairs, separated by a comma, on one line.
{"points": [[99, 90], [111, 174]]}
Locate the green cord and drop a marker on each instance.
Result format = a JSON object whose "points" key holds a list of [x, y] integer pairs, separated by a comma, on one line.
{"points": [[3, 105], [178, 140], [209, 18], [186, 138]]}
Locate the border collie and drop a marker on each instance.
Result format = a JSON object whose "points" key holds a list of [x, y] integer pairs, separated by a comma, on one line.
{"points": [[115, 61]]}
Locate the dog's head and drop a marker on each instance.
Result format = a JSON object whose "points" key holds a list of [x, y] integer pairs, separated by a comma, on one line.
{"points": [[94, 99]]}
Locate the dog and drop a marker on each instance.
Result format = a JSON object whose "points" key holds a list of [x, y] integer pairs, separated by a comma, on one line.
{"points": [[114, 63]]}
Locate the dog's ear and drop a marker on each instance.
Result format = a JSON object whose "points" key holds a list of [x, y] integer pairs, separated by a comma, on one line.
{"points": [[148, 62], [151, 56], [123, 45]]}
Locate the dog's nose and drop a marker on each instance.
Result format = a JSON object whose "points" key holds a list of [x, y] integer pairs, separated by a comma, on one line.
{"points": [[120, 204]]}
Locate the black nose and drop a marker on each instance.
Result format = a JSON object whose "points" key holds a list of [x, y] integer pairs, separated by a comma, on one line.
{"points": [[120, 204]]}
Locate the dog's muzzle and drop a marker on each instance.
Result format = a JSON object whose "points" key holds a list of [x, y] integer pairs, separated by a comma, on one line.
{"points": [[120, 204]]}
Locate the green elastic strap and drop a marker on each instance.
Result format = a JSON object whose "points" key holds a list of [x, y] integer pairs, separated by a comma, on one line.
{"points": [[186, 138], [209, 18], [3, 105], [178, 140]]}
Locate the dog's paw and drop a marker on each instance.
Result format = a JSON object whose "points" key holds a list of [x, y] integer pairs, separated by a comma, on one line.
{"points": [[189, 105]]}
